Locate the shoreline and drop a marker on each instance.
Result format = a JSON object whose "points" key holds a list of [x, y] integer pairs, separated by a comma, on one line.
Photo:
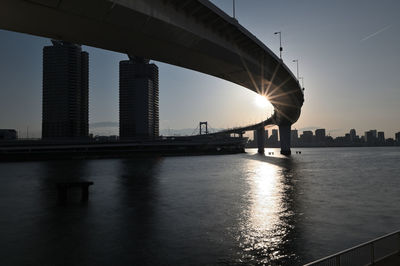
{"points": [[38, 151]]}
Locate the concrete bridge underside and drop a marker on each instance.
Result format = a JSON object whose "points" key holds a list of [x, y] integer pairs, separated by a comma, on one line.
{"points": [[193, 34]]}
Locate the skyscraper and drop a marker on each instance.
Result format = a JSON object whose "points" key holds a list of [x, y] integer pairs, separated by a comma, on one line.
{"points": [[65, 111], [138, 99]]}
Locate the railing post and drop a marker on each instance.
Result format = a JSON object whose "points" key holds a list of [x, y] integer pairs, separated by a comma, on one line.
{"points": [[338, 260], [398, 242], [372, 253]]}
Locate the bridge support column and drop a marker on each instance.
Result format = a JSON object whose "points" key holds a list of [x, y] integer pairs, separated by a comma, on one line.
{"points": [[284, 135], [260, 135]]}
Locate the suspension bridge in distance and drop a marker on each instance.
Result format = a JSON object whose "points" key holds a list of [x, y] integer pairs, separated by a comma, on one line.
{"points": [[194, 34]]}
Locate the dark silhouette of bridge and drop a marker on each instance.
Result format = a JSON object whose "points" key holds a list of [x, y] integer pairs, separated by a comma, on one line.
{"points": [[193, 34]]}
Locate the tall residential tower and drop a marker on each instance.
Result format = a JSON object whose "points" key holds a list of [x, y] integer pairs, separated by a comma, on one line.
{"points": [[138, 99], [65, 91]]}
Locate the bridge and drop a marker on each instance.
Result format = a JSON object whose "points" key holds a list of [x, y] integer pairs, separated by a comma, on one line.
{"points": [[193, 34], [260, 131]]}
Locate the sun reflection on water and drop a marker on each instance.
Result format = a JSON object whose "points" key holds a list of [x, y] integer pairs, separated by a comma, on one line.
{"points": [[266, 219]]}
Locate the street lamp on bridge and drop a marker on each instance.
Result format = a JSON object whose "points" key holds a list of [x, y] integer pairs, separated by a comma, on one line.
{"points": [[280, 43]]}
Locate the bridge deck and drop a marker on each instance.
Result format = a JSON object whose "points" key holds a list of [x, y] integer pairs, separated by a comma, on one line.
{"points": [[194, 34]]}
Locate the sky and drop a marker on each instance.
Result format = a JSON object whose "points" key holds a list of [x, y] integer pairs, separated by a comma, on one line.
{"points": [[348, 54]]}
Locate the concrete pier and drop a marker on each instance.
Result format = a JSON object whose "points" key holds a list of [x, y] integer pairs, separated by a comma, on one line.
{"points": [[260, 139], [284, 135], [63, 187]]}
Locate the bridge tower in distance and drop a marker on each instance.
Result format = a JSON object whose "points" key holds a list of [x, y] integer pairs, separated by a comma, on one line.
{"points": [[203, 128]]}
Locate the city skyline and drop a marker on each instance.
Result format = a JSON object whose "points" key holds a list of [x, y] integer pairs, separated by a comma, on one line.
{"points": [[200, 132], [319, 138], [349, 76]]}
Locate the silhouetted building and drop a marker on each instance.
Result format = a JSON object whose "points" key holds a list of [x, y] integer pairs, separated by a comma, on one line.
{"points": [[274, 136], [8, 134], [294, 137], [353, 135], [374, 133], [329, 140], [273, 140], [320, 139], [111, 138], [65, 106], [390, 142], [306, 137], [381, 137], [397, 138], [320, 135], [347, 138], [340, 140], [138, 99], [369, 137]]}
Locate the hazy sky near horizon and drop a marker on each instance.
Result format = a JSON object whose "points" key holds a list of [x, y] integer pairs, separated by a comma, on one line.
{"points": [[348, 54]]}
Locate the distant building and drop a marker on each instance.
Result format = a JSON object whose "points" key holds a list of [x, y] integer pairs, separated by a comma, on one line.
{"points": [[390, 142], [374, 133], [341, 140], [381, 137], [294, 136], [274, 136], [353, 135], [8, 134], [369, 137], [397, 138], [306, 137], [65, 105], [138, 99], [275, 133], [329, 140], [106, 138], [320, 135], [273, 140]]}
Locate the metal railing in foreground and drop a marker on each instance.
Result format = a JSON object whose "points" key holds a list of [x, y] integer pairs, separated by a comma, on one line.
{"points": [[368, 253]]}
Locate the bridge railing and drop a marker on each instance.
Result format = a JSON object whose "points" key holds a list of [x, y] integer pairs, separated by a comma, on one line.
{"points": [[368, 253]]}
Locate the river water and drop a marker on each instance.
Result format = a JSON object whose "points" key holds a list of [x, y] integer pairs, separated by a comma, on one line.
{"points": [[199, 210]]}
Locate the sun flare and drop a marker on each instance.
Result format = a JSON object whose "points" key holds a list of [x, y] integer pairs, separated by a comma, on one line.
{"points": [[261, 101]]}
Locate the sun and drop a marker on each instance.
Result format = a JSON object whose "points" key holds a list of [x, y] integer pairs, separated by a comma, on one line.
{"points": [[261, 101]]}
